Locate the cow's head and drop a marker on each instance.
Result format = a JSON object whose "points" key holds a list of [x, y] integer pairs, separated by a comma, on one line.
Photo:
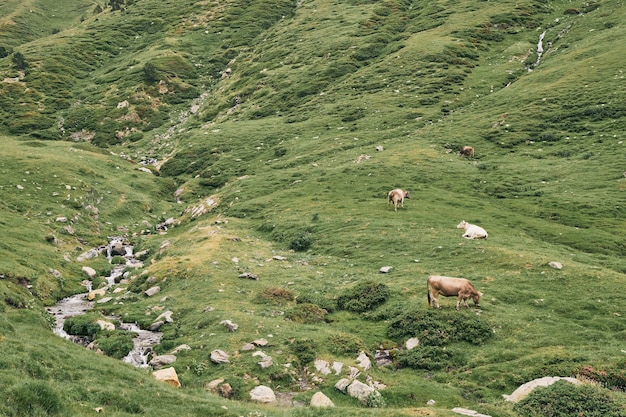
{"points": [[406, 194], [476, 297]]}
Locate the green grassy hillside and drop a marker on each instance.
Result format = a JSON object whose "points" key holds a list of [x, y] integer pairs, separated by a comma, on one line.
{"points": [[294, 119]]}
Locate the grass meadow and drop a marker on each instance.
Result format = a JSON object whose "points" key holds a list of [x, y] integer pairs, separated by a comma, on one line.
{"points": [[296, 119]]}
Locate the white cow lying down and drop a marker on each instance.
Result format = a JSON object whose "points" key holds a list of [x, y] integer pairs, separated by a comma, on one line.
{"points": [[472, 231]]}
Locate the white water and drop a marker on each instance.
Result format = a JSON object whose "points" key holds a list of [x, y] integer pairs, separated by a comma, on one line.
{"points": [[79, 304]]}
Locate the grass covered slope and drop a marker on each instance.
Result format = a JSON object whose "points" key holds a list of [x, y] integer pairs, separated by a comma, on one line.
{"points": [[274, 113]]}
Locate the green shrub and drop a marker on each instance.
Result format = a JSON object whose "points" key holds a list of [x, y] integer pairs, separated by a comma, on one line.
{"points": [[345, 344], [35, 398], [364, 296], [116, 344], [563, 399], [302, 242], [430, 358], [83, 325], [318, 299], [304, 350], [307, 313], [436, 327]]}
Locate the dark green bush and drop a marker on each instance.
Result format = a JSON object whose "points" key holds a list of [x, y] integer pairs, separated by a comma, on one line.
{"points": [[345, 344], [83, 325], [307, 313], [116, 344], [304, 350], [436, 327], [35, 398], [563, 399], [302, 242], [430, 358], [364, 296]]}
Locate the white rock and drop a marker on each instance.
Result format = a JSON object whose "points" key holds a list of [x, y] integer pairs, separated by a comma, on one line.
{"points": [[219, 356], [337, 367], [526, 388], [322, 366], [263, 394], [342, 384], [91, 273], [412, 343], [556, 265], [364, 361], [359, 390], [152, 291], [466, 412], [321, 400], [105, 325], [385, 269]]}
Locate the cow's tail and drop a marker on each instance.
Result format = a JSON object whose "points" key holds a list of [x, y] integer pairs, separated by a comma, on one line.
{"points": [[428, 295]]}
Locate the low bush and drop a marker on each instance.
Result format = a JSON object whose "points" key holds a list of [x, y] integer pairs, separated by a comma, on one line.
{"points": [[304, 350], [436, 327], [276, 295], [430, 358], [563, 399], [345, 344], [83, 325], [307, 313], [364, 296], [116, 344]]}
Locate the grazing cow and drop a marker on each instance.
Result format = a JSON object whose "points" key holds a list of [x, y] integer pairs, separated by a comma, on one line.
{"points": [[396, 196], [472, 231], [448, 286], [467, 151]]}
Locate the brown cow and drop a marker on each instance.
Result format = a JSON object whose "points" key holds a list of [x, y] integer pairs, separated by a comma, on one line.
{"points": [[396, 196], [467, 151], [448, 286]]}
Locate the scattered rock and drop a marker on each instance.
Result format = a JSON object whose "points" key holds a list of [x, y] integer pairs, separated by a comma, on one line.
{"points": [[260, 342], [364, 361], [337, 367], [556, 265], [322, 366], [91, 273], [466, 412], [279, 258], [212, 386], [96, 293], [160, 361], [379, 148], [229, 325], [249, 276], [167, 316], [247, 347], [152, 291], [412, 343], [342, 384], [266, 362], [430, 402], [181, 348], [263, 394], [219, 356], [386, 269], [526, 388], [225, 390], [104, 300], [383, 357], [167, 375], [156, 325], [359, 390], [321, 400], [105, 325]]}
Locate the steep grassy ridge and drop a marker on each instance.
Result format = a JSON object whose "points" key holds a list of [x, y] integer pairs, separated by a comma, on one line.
{"points": [[274, 111]]}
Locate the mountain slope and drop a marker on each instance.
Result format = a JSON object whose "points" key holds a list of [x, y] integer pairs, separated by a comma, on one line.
{"points": [[270, 114]]}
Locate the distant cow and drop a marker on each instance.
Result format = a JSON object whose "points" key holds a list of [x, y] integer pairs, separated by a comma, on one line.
{"points": [[448, 286], [472, 231], [467, 151], [396, 197]]}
